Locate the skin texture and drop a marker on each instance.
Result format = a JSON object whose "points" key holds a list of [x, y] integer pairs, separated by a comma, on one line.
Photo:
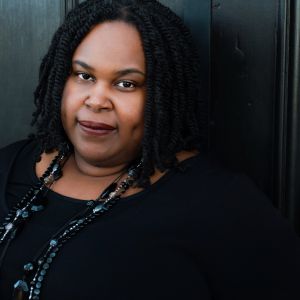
{"points": [[97, 91]]}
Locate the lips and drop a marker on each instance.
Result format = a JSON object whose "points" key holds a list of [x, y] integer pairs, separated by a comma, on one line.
{"points": [[96, 125], [95, 129]]}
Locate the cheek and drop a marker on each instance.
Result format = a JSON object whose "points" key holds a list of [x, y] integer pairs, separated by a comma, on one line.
{"points": [[133, 111], [69, 103], [133, 119]]}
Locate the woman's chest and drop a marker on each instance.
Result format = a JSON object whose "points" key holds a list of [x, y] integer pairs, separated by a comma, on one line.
{"points": [[122, 255]]}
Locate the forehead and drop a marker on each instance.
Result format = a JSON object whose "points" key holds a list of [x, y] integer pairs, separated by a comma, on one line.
{"points": [[113, 43]]}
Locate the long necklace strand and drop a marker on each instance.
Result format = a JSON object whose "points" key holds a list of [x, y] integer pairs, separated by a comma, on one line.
{"points": [[33, 202], [29, 287]]}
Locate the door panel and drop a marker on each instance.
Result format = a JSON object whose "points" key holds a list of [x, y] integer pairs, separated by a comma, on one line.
{"points": [[26, 30], [243, 86], [256, 94]]}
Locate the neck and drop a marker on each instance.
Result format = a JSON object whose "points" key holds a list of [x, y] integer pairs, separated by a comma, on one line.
{"points": [[90, 169]]}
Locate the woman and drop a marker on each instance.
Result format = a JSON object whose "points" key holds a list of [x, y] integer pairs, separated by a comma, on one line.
{"points": [[113, 198]]}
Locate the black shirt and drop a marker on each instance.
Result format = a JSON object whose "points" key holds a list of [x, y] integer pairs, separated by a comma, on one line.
{"points": [[198, 233]]}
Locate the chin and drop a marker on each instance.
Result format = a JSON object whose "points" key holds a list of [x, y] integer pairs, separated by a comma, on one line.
{"points": [[93, 156]]}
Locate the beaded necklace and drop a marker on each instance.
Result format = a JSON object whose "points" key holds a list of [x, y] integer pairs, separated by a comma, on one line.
{"points": [[29, 287]]}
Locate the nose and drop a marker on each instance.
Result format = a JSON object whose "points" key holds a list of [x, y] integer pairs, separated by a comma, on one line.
{"points": [[99, 98]]}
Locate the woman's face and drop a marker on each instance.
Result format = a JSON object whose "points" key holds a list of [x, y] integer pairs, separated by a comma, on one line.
{"points": [[104, 97]]}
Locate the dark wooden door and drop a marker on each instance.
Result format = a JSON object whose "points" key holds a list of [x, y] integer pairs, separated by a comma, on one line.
{"points": [[256, 93], [26, 28]]}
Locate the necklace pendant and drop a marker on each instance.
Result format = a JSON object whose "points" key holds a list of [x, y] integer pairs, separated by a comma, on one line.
{"points": [[21, 290]]}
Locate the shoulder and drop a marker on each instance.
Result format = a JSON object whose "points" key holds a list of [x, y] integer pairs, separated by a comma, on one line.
{"points": [[230, 205], [222, 197], [10, 152], [228, 211], [205, 176], [204, 170], [15, 145]]}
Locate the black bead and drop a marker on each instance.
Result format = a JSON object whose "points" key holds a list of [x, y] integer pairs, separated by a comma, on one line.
{"points": [[36, 208], [37, 291], [90, 203], [38, 285], [125, 185], [53, 243], [29, 268], [99, 208], [20, 290], [111, 188], [25, 214], [57, 172], [49, 260]]}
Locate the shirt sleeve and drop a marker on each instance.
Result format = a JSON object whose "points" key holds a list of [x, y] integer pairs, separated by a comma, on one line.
{"points": [[247, 249]]}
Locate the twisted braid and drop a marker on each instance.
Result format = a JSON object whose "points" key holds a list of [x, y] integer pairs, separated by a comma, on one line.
{"points": [[175, 116]]}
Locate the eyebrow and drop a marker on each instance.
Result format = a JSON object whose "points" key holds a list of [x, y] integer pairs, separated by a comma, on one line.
{"points": [[119, 73]]}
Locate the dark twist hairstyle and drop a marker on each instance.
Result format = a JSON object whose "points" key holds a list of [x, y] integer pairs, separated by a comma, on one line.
{"points": [[175, 115]]}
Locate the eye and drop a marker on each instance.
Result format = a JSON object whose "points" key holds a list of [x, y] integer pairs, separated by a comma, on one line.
{"points": [[124, 84], [84, 76]]}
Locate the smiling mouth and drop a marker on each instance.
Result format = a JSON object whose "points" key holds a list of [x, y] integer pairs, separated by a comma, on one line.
{"points": [[95, 128]]}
